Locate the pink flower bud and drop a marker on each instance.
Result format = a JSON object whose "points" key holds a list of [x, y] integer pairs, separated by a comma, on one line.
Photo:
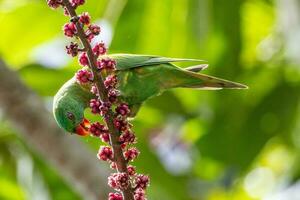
{"points": [[113, 95], [104, 108], [112, 181], [142, 181], [83, 59], [111, 81], [72, 49], [127, 137], [98, 129], [90, 37], [99, 49], [123, 109], [113, 165], [84, 76], [54, 3], [105, 153], [76, 3], [131, 154], [106, 64], [94, 90], [139, 194], [85, 18], [105, 137], [66, 12], [121, 124], [94, 29], [69, 29], [118, 181], [131, 170], [115, 196], [94, 105]]}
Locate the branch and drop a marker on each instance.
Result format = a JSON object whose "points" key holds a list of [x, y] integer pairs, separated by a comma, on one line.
{"points": [[120, 161], [28, 115]]}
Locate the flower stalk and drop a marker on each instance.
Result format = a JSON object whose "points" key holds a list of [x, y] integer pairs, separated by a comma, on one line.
{"points": [[99, 72]]}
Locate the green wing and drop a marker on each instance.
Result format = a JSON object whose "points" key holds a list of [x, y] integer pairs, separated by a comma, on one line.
{"points": [[127, 61]]}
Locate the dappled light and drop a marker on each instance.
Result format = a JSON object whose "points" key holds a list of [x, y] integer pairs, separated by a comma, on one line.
{"points": [[194, 144]]}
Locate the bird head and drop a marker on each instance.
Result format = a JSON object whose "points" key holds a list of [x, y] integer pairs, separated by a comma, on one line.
{"points": [[69, 114]]}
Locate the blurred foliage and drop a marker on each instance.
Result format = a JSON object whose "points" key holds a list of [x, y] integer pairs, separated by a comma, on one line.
{"points": [[214, 145]]}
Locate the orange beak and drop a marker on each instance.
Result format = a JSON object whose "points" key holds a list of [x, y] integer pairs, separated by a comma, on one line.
{"points": [[83, 128]]}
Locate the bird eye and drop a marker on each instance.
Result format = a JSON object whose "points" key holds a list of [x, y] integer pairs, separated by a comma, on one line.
{"points": [[70, 116]]}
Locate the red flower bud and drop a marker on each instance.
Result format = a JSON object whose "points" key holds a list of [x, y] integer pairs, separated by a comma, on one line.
{"points": [[118, 181], [83, 59], [94, 90], [131, 170], [105, 106], [123, 146], [142, 181], [115, 196], [139, 194], [111, 81], [85, 18], [113, 95], [76, 3], [123, 109], [131, 154], [66, 12], [69, 29], [106, 63], [94, 29], [121, 124], [105, 137], [90, 37], [54, 3], [105, 153], [98, 129], [84, 76], [99, 49], [127, 137], [94, 105], [113, 165], [72, 49], [112, 181]]}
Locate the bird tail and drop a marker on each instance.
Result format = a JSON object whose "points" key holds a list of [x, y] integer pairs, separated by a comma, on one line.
{"points": [[201, 81]]}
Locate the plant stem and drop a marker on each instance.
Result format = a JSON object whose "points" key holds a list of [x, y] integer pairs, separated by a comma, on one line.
{"points": [[119, 159]]}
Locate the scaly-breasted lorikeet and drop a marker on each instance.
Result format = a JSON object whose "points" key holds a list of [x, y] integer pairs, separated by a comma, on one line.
{"points": [[139, 78]]}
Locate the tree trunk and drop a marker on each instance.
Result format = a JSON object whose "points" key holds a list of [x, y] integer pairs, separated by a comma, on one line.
{"points": [[27, 113]]}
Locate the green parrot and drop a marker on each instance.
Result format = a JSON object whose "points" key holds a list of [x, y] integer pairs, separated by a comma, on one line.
{"points": [[140, 77]]}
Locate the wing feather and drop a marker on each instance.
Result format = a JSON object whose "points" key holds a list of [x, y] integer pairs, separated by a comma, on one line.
{"points": [[128, 61]]}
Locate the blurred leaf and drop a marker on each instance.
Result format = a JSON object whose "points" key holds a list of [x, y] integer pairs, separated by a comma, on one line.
{"points": [[35, 75], [10, 190], [233, 132], [25, 28], [253, 32]]}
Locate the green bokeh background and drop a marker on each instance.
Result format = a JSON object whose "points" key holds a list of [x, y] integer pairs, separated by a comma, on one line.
{"points": [[196, 145]]}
